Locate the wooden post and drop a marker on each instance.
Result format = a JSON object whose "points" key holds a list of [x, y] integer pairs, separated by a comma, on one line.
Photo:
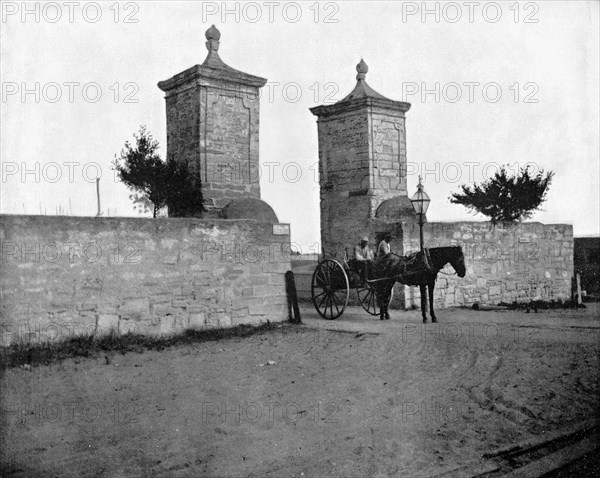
{"points": [[579, 301], [292, 298]]}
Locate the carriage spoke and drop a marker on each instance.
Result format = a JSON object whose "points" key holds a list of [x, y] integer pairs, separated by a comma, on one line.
{"points": [[328, 305], [367, 299], [372, 301], [327, 274], [335, 301], [323, 300], [330, 302], [323, 275], [321, 278], [323, 305]]}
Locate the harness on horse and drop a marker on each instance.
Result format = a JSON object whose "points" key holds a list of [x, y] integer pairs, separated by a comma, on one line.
{"points": [[413, 265]]}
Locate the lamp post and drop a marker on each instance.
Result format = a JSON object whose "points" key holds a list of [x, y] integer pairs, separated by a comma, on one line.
{"points": [[420, 202]]}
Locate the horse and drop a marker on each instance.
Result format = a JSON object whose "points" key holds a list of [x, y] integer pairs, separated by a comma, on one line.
{"points": [[392, 268]]}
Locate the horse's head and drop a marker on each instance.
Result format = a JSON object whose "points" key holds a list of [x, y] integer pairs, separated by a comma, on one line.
{"points": [[458, 261]]}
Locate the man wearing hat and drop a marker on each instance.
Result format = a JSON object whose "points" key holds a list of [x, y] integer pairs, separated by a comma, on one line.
{"points": [[363, 256], [384, 246]]}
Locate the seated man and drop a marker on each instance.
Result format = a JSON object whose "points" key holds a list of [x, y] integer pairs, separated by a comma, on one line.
{"points": [[363, 256], [384, 246]]}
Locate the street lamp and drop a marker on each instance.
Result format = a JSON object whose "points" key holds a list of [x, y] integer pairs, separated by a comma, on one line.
{"points": [[420, 202]]}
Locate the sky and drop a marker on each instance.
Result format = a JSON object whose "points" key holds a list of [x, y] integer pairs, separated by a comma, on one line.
{"points": [[490, 83]]}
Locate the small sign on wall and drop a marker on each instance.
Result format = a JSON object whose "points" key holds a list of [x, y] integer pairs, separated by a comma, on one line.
{"points": [[281, 229]]}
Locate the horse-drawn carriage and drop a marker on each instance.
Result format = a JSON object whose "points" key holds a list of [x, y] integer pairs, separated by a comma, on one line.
{"points": [[331, 283], [332, 280]]}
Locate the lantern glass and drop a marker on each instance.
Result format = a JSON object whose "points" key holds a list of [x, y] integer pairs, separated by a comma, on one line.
{"points": [[420, 200]]}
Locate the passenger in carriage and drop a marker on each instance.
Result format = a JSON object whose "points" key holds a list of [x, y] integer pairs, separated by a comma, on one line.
{"points": [[363, 256], [362, 251], [384, 246]]}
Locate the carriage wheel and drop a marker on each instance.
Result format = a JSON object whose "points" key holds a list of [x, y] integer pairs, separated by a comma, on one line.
{"points": [[368, 299], [330, 289]]}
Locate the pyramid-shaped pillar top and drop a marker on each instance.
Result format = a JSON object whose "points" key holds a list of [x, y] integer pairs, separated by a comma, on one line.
{"points": [[212, 69], [361, 96]]}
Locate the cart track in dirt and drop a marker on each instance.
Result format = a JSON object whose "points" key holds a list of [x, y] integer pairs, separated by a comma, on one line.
{"points": [[363, 399]]}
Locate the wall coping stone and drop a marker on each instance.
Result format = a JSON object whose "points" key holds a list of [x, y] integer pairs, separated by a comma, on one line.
{"points": [[121, 219]]}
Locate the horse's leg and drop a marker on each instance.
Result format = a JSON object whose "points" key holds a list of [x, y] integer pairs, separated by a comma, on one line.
{"points": [[378, 295], [387, 301], [383, 298], [431, 286], [424, 302], [387, 312]]}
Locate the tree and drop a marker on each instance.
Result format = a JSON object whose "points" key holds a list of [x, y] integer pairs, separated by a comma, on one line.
{"points": [[184, 190], [155, 183], [506, 198]]}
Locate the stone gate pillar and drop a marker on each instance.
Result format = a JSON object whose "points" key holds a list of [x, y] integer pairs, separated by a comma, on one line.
{"points": [[213, 124], [362, 166]]}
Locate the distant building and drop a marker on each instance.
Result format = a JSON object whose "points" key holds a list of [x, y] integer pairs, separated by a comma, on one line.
{"points": [[587, 263]]}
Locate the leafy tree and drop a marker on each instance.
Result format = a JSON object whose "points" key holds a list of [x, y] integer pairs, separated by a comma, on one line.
{"points": [[142, 170], [184, 190], [141, 204], [155, 183], [506, 198]]}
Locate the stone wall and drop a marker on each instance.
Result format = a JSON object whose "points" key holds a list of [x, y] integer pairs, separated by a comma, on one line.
{"points": [[504, 264], [66, 276]]}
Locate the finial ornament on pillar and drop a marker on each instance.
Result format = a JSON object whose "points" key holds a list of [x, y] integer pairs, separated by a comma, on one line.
{"points": [[362, 70], [213, 35]]}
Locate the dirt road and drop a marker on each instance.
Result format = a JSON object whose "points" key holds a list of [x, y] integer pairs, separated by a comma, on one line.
{"points": [[368, 398]]}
